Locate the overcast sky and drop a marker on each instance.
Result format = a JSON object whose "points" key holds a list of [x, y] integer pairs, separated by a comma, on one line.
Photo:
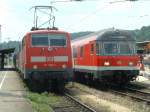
{"points": [[91, 15]]}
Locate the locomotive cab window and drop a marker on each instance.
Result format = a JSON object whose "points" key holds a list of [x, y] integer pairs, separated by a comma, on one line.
{"points": [[126, 48], [48, 40], [57, 39], [110, 48], [39, 40]]}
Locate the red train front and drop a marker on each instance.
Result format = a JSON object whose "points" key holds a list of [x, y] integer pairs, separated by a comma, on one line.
{"points": [[108, 55], [45, 58]]}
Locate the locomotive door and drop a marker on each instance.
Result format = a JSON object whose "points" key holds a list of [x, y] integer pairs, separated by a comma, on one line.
{"points": [[74, 56], [92, 50]]}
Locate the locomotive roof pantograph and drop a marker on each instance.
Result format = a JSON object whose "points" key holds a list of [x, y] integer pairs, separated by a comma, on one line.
{"points": [[49, 12]]}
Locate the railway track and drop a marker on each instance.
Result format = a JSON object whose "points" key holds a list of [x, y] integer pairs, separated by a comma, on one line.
{"points": [[130, 92], [137, 95], [139, 85], [113, 95], [70, 104]]}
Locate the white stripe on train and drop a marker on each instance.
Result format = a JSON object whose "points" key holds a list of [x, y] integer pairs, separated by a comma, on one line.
{"points": [[44, 59], [106, 68]]}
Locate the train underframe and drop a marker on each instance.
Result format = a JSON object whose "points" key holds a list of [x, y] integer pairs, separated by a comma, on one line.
{"points": [[40, 81], [120, 77]]}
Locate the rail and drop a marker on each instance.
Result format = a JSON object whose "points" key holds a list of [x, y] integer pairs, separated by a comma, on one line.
{"points": [[135, 94], [80, 103], [71, 104]]}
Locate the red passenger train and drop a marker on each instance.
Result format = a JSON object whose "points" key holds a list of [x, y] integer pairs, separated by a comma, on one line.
{"points": [[44, 58], [107, 55]]}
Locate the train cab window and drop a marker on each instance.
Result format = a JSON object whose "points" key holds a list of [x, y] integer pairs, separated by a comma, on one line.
{"points": [[39, 40], [81, 51], [92, 49], [57, 39], [126, 48], [110, 48], [48, 40]]}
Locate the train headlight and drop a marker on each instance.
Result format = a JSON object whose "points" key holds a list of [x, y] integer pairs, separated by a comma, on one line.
{"points": [[130, 63], [64, 66], [106, 63], [35, 67]]}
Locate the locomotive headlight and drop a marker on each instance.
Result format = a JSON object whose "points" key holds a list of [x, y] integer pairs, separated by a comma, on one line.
{"points": [[64, 66], [130, 63], [35, 67], [106, 63]]}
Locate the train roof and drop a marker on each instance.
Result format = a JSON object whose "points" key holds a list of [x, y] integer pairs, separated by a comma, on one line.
{"points": [[46, 31], [107, 35]]}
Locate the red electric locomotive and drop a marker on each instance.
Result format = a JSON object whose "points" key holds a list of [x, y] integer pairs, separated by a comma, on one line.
{"points": [[44, 58], [107, 55]]}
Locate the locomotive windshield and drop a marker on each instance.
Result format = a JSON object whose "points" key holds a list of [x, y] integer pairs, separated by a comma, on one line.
{"points": [[116, 48], [126, 48], [48, 40], [39, 40], [110, 48]]}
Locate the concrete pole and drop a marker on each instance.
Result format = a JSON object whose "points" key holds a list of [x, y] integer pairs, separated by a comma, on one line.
{"points": [[0, 33]]}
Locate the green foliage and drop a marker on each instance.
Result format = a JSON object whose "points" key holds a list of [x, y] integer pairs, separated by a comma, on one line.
{"points": [[10, 44], [141, 35], [43, 102], [79, 34]]}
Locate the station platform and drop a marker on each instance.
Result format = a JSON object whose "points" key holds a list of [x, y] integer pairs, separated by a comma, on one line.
{"points": [[12, 93]]}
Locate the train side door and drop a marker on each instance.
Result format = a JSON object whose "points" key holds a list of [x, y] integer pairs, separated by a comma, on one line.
{"points": [[74, 55], [92, 49]]}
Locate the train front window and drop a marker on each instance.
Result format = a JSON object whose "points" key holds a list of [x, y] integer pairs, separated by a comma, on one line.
{"points": [[119, 48], [57, 39], [126, 48], [48, 40], [39, 40], [110, 48]]}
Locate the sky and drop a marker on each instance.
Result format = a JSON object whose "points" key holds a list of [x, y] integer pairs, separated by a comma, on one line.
{"points": [[16, 17]]}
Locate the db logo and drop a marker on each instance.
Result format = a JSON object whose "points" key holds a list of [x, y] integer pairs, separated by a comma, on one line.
{"points": [[50, 48]]}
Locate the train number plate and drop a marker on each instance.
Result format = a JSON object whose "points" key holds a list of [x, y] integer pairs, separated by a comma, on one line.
{"points": [[50, 58]]}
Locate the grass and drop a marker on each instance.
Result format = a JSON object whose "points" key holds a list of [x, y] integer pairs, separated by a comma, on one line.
{"points": [[45, 101], [42, 102]]}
